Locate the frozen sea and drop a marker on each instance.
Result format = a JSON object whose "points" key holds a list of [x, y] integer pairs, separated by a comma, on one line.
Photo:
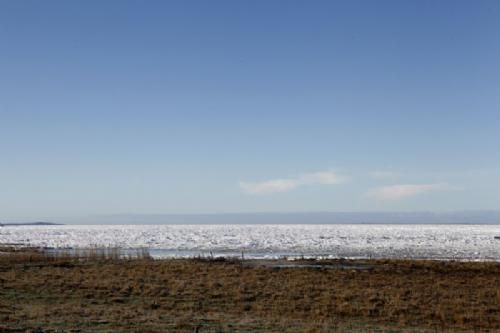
{"points": [[466, 242]]}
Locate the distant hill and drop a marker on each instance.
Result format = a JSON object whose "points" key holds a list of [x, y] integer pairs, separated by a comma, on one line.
{"points": [[27, 223]]}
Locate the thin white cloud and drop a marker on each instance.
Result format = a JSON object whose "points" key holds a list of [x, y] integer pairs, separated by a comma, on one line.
{"points": [[270, 186], [288, 184], [403, 191]]}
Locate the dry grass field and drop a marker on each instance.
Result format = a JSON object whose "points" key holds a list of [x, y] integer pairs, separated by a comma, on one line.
{"points": [[40, 293]]}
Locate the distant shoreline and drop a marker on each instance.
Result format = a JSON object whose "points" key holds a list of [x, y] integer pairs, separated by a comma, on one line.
{"points": [[27, 223]]}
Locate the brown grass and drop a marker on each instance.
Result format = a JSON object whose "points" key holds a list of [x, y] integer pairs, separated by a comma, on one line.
{"points": [[106, 293]]}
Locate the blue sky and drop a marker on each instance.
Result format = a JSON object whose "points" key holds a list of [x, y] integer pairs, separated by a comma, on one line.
{"points": [[116, 107]]}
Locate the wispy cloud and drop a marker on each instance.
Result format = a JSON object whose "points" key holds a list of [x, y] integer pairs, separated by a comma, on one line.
{"points": [[287, 184], [403, 191]]}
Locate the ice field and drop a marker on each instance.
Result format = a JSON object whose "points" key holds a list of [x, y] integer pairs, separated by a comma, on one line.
{"points": [[474, 242]]}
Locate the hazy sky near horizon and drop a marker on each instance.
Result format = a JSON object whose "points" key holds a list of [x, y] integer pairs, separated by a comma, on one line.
{"points": [[115, 107]]}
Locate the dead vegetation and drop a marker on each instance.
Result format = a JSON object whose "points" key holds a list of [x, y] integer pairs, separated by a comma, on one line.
{"points": [[105, 292]]}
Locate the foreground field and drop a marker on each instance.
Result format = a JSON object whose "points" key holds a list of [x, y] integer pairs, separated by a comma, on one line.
{"points": [[44, 294]]}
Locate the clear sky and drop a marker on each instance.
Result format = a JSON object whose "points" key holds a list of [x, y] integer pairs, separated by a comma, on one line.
{"points": [[117, 107]]}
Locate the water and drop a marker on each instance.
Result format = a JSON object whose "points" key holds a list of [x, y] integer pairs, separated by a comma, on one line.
{"points": [[467, 242]]}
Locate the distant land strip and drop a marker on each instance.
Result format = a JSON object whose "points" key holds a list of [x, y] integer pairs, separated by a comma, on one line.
{"points": [[27, 223]]}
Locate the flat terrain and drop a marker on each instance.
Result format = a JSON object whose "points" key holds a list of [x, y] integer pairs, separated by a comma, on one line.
{"points": [[46, 294]]}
